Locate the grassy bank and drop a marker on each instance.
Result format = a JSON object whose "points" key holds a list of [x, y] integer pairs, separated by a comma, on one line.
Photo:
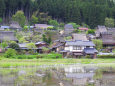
{"points": [[37, 62]]}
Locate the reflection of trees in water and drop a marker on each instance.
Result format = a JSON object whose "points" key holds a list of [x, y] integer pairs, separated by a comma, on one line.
{"points": [[53, 77]]}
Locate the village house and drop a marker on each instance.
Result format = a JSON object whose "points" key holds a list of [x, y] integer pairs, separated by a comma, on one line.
{"points": [[15, 26], [79, 36], [41, 27], [79, 48], [24, 47], [68, 29], [108, 39], [40, 46], [107, 35], [100, 30], [83, 29], [58, 45], [7, 36]]}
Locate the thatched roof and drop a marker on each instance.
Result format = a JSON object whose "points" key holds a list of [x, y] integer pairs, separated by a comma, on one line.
{"points": [[108, 38], [68, 27], [7, 36], [111, 30], [82, 37], [15, 25], [42, 26], [102, 29]]}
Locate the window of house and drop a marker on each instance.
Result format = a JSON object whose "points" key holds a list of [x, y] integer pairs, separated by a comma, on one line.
{"points": [[87, 46], [77, 48]]}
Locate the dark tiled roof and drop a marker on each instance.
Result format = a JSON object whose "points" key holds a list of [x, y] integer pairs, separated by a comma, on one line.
{"points": [[80, 43], [90, 50]]}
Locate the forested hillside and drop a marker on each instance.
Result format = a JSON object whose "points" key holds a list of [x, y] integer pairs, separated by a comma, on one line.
{"points": [[91, 12]]}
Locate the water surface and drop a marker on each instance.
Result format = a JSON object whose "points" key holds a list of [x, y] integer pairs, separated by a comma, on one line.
{"points": [[71, 75]]}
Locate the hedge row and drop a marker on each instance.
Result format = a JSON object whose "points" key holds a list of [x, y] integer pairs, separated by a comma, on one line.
{"points": [[46, 56], [106, 56]]}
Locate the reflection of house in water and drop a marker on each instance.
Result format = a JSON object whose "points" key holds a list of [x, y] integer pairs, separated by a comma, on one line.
{"points": [[79, 75]]}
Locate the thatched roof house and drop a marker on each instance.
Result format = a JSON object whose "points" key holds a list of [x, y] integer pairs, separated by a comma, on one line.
{"points": [[7, 36], [68, 28], [82, 37], [100, 30], [15, 26], [42, 26], [108, 39]]}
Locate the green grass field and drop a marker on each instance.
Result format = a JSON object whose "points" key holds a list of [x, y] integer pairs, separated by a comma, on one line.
{"points": [[38, 62]]}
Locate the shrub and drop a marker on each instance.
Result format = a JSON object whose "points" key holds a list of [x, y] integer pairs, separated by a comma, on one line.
{"points": [[106, 56], [45, 56], [87, 56], [14, 46], [90, 31], [10, 53]]}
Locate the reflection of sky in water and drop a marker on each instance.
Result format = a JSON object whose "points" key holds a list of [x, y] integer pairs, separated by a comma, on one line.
{"points": [[58, 76]]}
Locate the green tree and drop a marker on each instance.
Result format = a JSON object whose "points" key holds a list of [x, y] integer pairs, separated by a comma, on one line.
{"points": [[4, 45], [22, 40], [109, 22], [44, 38], [90, 31], [49, 40], [75, 26], [53, 22], [14, 46], [98, 43], [34, 19], [31, 45], [20, 18], [1, 20], [10, 53], [43, 17], [26, 28], [77, 31]]}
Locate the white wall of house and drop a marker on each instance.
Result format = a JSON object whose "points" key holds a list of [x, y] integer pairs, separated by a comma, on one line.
{"points": [[71, 48]]}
